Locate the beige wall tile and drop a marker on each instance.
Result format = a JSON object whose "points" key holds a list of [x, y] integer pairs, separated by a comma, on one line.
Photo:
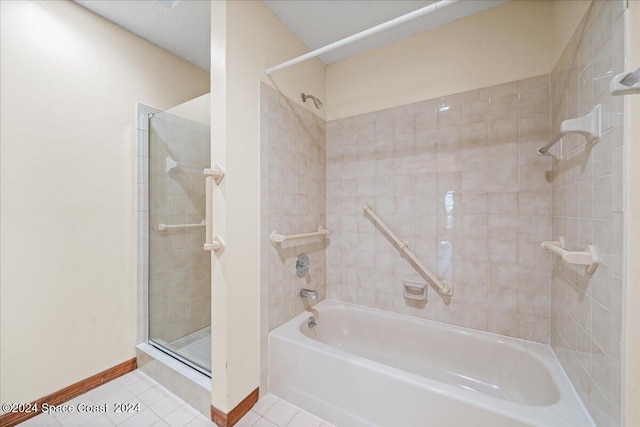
{"points": [[475, 111], [587, 200], [504, 107], [475, 134], [503, 131], [534, 128], [451, 186], [295, 193], [534, 83], [536, 101], [449, 116]]}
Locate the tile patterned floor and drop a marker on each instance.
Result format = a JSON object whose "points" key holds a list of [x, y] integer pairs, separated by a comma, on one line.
{"points": [[195, 347], [160, 408], [270, 411]]}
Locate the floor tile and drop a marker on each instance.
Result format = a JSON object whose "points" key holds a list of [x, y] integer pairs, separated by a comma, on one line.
{"points": [[263, 422], [181, 416], [101, 421], [249, 419], [42, 420], [201, 421], [281, 413], [81, 419], [195, 347], [272, 411], [151, 396], [73, 402], [304, 419], [265, 403], [166, 405], [104, 390], [141, 385], [131, 378], [145, 418]]}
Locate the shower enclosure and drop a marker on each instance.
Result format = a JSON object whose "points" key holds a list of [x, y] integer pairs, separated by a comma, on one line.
{"points": [[179, 273]]}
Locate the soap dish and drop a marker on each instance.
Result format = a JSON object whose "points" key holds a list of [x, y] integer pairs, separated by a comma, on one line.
{"points": [[415, 290]]}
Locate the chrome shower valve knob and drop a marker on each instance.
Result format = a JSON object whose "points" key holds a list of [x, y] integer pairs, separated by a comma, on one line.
{"points": [[302, 265]]}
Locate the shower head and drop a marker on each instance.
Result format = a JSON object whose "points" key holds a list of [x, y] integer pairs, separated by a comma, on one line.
{"points": [[316, 101]]}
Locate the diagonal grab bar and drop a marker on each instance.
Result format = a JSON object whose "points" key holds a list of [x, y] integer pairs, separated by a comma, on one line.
{"points": [[404, 246]]}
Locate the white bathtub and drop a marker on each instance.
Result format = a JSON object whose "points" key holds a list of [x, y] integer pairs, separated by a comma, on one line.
{"points": [[363, 367]]}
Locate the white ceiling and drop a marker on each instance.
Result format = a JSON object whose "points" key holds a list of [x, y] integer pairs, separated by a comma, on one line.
{"points": [[320, 22], [183, 27]]}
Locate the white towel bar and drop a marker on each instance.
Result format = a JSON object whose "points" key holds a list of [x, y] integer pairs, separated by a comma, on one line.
{"points": [[279, 238], [589, 257], [404, 246], [167, 227], [590, 126]]}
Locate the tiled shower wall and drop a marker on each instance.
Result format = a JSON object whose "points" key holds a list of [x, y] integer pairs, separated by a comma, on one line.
{"points": [[589, 182], [179, 269], [459, 179], [293, 201]]}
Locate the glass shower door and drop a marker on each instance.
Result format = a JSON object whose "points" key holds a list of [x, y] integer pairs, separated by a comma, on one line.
{"points": [[179, 268]]}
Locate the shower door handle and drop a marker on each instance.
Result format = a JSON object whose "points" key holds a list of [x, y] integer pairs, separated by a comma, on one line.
{"points": [[212, 243]]}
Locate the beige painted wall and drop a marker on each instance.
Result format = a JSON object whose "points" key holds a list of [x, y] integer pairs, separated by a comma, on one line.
{"points": [[515, 41], [197, 110], [246, 38], [69, 84], [507, 43], [632, 354]]}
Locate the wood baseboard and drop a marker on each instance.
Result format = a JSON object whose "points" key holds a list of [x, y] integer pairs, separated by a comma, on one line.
{"points": [[14, 418], [228, 420]]}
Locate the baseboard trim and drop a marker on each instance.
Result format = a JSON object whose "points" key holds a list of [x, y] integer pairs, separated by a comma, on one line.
{"points": [[228, 420], [14, 418]]}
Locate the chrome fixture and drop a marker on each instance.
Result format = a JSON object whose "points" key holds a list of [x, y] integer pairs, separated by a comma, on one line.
{"points": [[316, 101], [554, 140], [311, 322], [312, 294], [302, 265]]}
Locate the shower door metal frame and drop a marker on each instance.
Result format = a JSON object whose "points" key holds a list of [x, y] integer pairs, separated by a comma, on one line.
{"points": [[144, 194]]}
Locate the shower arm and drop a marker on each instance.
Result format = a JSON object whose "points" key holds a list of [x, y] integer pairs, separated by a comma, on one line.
{"points": [[315, 100]]}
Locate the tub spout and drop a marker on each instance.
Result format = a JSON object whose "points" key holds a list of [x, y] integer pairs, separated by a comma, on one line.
{"points": [[312, 294]]}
